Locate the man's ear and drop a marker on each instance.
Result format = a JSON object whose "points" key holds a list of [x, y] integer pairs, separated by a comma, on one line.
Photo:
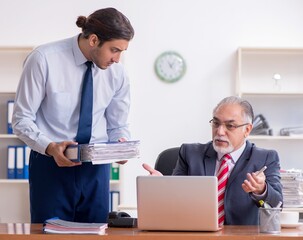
{"points": [[248, 129], [93, 40]]}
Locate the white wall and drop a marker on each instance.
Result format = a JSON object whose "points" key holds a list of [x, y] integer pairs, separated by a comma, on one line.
{"points": [[206, 33]]}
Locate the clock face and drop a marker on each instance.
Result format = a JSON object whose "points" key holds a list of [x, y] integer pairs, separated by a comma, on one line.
{"points": [[170, 66]]}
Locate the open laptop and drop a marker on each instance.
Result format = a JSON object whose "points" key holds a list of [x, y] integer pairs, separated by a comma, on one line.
{"points": [[177, 203]]}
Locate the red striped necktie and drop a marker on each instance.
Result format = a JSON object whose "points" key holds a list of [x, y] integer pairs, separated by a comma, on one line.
{"points": [[222, 176]]}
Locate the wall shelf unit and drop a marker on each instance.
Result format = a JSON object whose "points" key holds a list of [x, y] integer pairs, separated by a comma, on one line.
{"points": [[11, 63], [271, 79]]}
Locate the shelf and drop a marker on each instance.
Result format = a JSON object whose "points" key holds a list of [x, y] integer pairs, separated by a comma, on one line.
{"points": [[9, 136], [266, 137], [280, 94], [115, 182], [271, 79], [13, 181], [258, 67], [291, 209]]}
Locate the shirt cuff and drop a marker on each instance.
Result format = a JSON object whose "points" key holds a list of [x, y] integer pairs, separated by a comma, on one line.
{"points": [[260, 196]]}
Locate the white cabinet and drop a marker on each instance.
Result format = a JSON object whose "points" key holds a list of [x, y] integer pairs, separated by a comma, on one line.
{"points": [[11, 63], [14, 201], [271, 79]]}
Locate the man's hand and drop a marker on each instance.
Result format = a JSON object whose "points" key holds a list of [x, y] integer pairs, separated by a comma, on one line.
{"points": [[254, 183], [56, 150], [122, 140], [152, 172]]}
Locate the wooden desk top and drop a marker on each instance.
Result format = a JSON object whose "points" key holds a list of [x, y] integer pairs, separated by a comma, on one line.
{"points": [[34, 232]]}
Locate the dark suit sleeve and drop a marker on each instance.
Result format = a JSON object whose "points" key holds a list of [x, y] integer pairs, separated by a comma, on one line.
{"points": [[272, 173], [273, 193], [191, 160]]}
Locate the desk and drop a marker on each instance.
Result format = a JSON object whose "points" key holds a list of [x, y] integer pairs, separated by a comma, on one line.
{"points": [[34, 232]]}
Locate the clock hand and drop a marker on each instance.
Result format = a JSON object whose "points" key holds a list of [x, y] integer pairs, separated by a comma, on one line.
{"points": [[171, 64]]}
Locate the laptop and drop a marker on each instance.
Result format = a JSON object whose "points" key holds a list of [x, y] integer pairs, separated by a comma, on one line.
{"points": [[177, 203]]}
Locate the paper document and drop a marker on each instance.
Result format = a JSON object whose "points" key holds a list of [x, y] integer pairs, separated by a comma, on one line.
{"points": [[103, 153], [56, 225]]}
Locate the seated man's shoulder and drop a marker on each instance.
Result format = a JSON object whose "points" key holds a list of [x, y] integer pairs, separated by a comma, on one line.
{"points": [[260, 150], [195, 146]]}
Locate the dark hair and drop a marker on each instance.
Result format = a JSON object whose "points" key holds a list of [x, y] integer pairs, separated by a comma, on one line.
{"points": [[246, 106], [107, 24]]}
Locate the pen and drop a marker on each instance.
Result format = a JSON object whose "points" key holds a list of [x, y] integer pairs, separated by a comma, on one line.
{"points": [[261, 170]]}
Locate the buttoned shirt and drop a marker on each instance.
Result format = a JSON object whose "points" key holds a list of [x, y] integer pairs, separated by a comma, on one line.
{"points": [[47, 102]]}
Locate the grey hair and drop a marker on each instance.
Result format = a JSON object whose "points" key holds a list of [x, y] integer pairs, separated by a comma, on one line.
{"points": [[247, 108]]}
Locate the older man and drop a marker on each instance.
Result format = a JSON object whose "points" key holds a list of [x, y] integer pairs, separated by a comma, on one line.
{"points": [[246, 186]]}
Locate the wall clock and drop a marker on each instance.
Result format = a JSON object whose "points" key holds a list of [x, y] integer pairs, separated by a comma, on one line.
{"points": [[170, 66]]}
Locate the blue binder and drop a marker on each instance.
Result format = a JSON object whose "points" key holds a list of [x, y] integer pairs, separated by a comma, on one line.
{"points": [[114, 200], [19, 162], [27, 152], [11, 159], [10, 108]]}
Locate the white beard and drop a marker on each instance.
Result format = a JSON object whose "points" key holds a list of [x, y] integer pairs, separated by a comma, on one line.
{"points": [[223, 150]]}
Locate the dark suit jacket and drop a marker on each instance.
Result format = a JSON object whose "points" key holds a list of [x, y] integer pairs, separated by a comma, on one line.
{"points": [[240, 207]]}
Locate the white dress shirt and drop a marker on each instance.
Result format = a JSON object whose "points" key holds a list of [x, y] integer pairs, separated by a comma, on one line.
{"points": [[47, 103]]}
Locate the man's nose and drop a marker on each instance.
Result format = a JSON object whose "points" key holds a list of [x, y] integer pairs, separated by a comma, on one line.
{"points": [[221, 129], [116, 58]]}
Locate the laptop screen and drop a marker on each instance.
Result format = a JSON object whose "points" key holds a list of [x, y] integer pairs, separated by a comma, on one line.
{"points": [[177, 203]]}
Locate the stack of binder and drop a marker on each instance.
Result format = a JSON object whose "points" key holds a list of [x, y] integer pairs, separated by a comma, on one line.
{"points": [[261, 126], [17, 161], [291, 131], [292, 182]]}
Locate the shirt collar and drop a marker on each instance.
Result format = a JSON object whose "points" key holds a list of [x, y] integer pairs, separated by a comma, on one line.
{"points": [[78, 55], [235, 154]]}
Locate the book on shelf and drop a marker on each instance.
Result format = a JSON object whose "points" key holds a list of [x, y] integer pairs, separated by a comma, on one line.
{"points": [[114, 171], [19, 162], [11, 152], [292, 131], [59, 226], [27, 152], [114, 200], [10, 108]]}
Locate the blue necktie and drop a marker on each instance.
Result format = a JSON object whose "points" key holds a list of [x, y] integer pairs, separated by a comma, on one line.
{"points": [[86, 108]]}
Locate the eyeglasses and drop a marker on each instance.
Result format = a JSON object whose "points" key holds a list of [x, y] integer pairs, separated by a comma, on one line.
{"points": [[228, 126]]}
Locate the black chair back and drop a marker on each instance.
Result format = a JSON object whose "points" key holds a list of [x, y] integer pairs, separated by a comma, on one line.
{"points": [[167, 160]]}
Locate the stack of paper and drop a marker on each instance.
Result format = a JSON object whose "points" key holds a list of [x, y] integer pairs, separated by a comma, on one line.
{"points": [[56, 225], [100, 153], [292, 181], [103, 153]]}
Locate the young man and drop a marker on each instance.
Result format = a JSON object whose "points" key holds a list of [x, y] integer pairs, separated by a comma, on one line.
{"points": [[47, 116], [231, 124]]}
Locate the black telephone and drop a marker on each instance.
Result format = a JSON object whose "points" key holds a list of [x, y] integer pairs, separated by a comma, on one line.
{"points": [[121, 219]]}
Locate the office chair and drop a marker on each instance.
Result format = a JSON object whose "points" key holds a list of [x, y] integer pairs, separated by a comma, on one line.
{"points": [[167, 160]]}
